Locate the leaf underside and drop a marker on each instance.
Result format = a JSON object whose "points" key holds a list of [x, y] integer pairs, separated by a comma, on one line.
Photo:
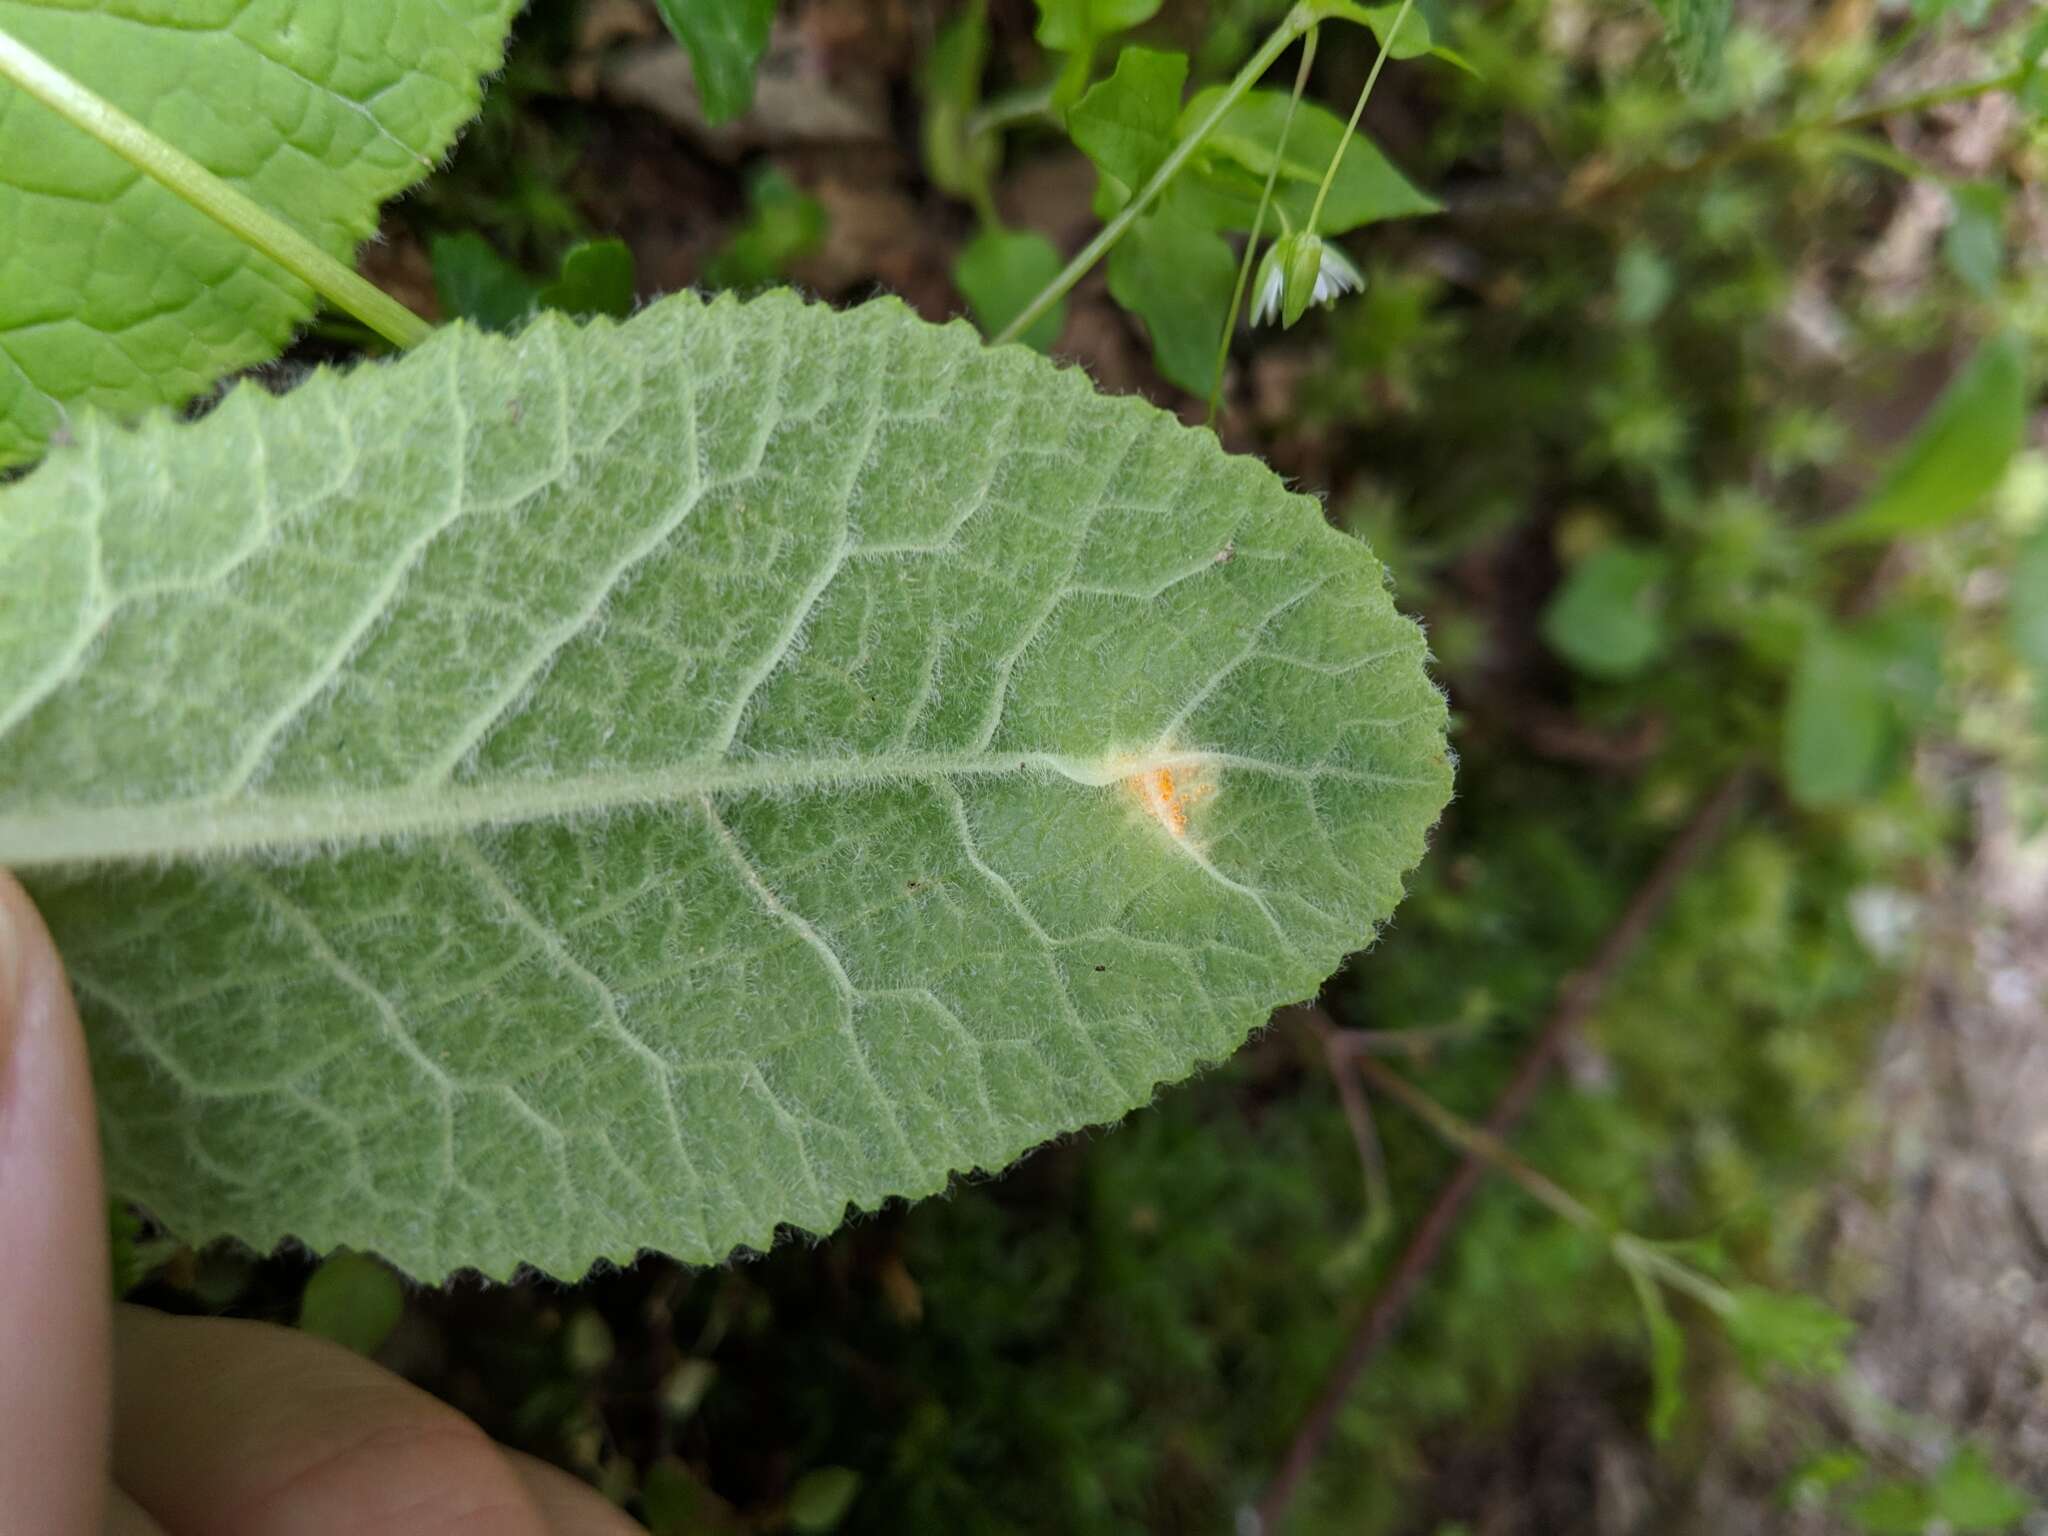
{"points": [[117, 295], [638, 786]]}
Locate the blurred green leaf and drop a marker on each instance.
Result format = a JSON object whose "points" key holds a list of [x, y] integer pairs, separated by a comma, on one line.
{"points": [[1230, 168], [1697, 33], [1000, 271], [1643, 283], [1607, 619], [354, 1300], [725, 40], [958, 163], [596, 279], [1176, 276], [1413, 39], [1955, 458], [784, 224], [1127, 123], [1799, 1333], [1667, 1353], [1969, 1496], [476, 284], [1075, 26], [1973, 245], [2027, 614], [1891, 1509], [821, 1498], [1838, 721]]}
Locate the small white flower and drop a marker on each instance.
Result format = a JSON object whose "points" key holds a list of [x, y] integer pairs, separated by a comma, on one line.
{"points": [[1299, 270]]}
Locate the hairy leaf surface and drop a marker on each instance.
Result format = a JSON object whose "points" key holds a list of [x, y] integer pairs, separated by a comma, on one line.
{"points": [[641, 785], [114, 293]]}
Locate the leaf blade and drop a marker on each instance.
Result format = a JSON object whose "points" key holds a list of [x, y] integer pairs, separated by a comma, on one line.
{"points": [[705, 1007]]}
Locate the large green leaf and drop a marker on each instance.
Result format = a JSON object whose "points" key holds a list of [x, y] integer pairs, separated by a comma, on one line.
{"points": [[116, 294], [645, 784]]}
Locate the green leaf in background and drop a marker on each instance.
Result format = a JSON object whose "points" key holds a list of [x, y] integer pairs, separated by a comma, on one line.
{"points": [[784, 224], [1411, 41], [1697, 34], [1127, 124], [1076, 26], [1607, 619], [725, 40], [1969, 1497], [2027, 614], [1176, 276], [353, 1300], [1839, 721], [1667, 1353], [1795, 1333], [1956, 456], [476, 284], [1973, 245], [596, 279], [647, 785], [117, 295], [1001, 270], [958, 162], [821, 1498], [1965, 1498], [1230, 168]]}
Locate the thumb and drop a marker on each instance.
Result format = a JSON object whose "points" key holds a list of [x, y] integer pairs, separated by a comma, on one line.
{"points": [[54, 1302]]}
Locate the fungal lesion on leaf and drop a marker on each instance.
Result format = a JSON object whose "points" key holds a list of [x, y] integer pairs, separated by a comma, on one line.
{"points": [[1169, 793]]}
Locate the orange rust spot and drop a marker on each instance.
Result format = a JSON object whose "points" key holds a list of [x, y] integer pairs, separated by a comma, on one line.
{"points": [[1168, 798]]}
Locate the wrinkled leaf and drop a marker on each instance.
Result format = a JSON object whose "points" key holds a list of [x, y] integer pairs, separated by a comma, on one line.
{"points": [[651, 784], [1176, 276], [1000, 271], [1231, 166], [725, 40], [1839, 730], [1127, 124], [1955, 458], [117, 295], [1607, 619]]}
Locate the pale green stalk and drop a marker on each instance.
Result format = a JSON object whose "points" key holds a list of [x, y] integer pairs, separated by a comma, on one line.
{"points": [[1251, 247], [186, 178], [1315, 213], [1293, 25]]}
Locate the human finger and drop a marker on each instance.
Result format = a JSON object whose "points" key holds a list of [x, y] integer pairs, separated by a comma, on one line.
{"points": [[234, 1428], [54, 1291], [570, 1506]]}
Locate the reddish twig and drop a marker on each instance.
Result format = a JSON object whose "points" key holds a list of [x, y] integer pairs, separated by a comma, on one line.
{"points": [[1577, 997]]}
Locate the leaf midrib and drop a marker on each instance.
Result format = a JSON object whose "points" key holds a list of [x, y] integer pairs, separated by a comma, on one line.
{"points": [[198, 828]]}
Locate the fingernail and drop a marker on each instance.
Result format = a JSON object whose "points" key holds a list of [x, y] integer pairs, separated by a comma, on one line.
{"points": [[11, 959]]}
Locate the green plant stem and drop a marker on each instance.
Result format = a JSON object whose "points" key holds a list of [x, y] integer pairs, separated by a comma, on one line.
{"points": [[186, 178], [1742, 149], [1251, 246], [1292, 25], [1483, 1144], [1315, 212]]}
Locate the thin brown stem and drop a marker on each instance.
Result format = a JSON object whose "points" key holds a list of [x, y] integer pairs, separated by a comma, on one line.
{"points": [[1577, 996]]}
